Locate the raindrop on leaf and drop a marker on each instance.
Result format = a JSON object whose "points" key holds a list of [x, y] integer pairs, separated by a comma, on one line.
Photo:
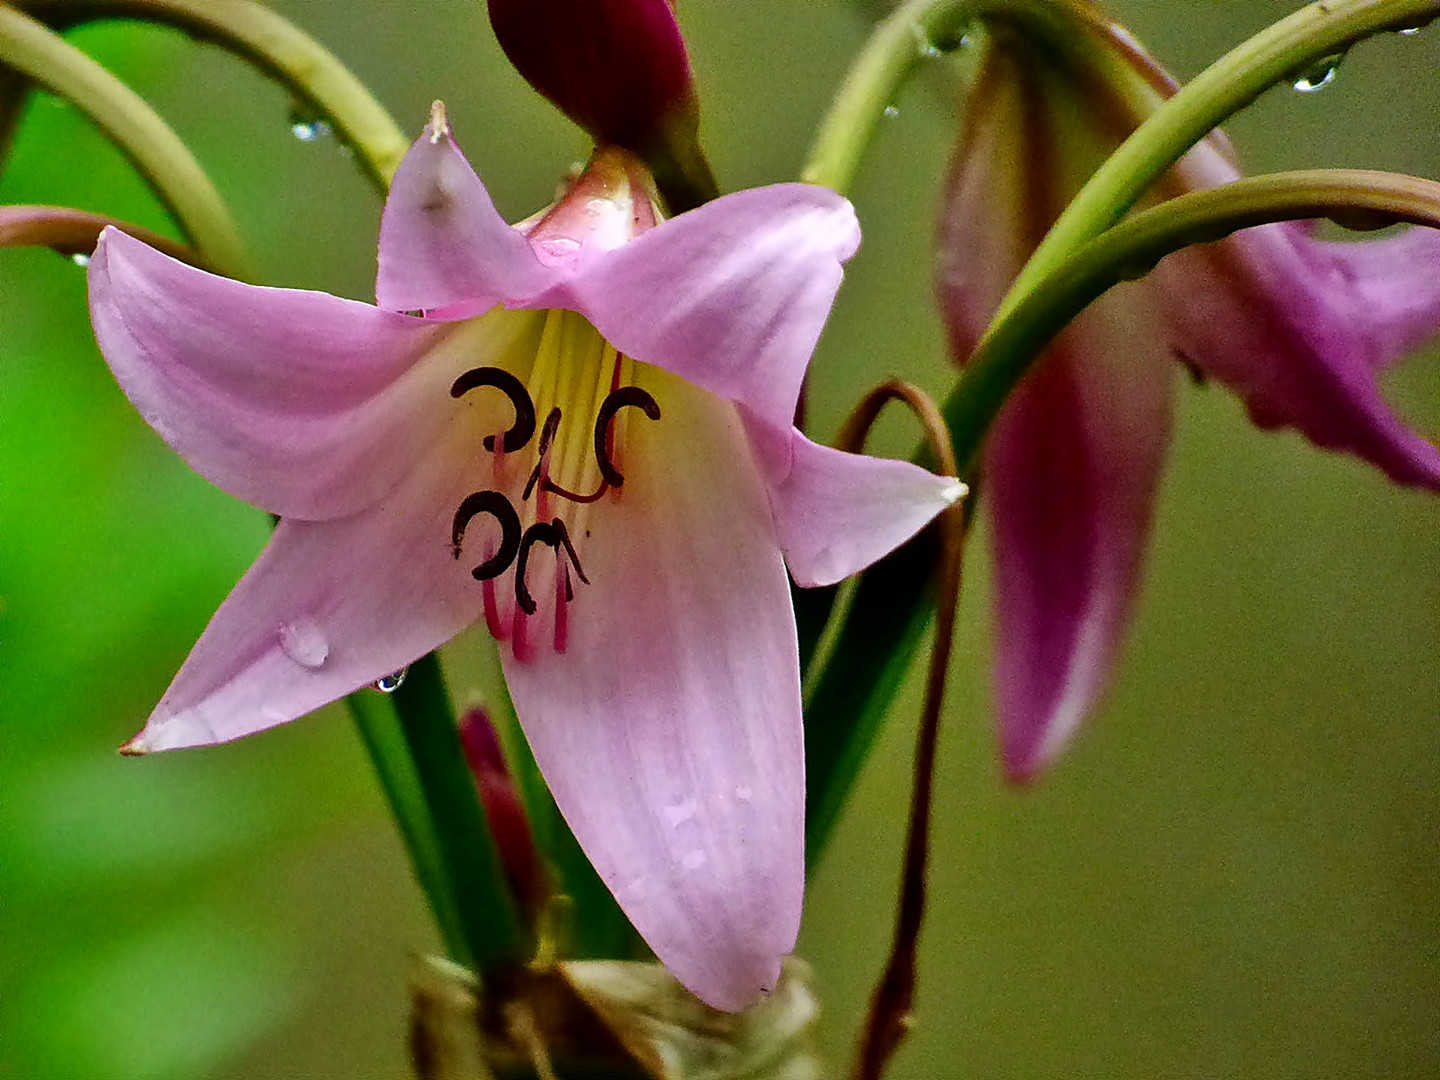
{"points": [[80, 259]]}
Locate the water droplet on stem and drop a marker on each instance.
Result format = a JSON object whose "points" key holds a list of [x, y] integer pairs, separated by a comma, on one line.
{"points": [[308, 125], [1319, 75]]}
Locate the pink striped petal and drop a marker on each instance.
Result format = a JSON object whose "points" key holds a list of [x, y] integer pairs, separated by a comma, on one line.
{"points": [[731, 296], [837, 513], [293, 401], [329, 607], [669, 730], [443, 245]]}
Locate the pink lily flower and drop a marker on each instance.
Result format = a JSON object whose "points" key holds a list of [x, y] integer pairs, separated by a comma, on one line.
{"points": [[1300, 328], [587, 445]]}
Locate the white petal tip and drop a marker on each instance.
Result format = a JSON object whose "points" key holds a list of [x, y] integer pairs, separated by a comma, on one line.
{"points": [[138, 746], [954, 491], [439, 126]]}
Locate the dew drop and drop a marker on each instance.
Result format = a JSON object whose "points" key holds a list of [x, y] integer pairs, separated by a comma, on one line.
{"points": [[304, 642], [891, 111], [932, 52], [307, 126], [1319, 76], [1411, 31], [80, 259], [390, 683]]}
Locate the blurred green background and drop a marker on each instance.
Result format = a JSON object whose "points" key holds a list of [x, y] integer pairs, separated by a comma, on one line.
{"points": [[1236, 872]]}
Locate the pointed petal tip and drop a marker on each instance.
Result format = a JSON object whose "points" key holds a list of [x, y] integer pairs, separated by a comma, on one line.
{"points": [[439, 126], [136, 746], [955, 491], [741, 985]]}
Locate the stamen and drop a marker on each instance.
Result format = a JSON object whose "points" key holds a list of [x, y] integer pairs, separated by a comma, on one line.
{"points": [[563, 595], [493, 622], [547, 436], [524, 426], [626, 396], [552, 534], [498, 507]]}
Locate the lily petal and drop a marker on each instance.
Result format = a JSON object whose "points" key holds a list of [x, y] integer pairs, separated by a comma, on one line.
{"points": [[293, 401], [731, 296], [1299, 335], [1395, 281], [1075, 461], [443, 245], [669, 730], [328, 607], [837, 513]]}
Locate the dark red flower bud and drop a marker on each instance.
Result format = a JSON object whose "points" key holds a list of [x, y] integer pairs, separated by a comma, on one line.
{"points": [[618, 68], [504, 810]]}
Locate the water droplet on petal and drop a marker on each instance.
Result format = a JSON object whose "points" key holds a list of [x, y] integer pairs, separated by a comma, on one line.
{"points": [[891, 111], [304, 642], [80, 259], [390, 683], [307, 125], [1319, 75]]}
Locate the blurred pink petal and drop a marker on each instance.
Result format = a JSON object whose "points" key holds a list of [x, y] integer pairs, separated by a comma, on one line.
{"points": [[1297, 326]]}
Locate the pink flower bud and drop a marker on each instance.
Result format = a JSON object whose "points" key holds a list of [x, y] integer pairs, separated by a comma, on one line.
{"points": [[504, 810], [618, 68]]}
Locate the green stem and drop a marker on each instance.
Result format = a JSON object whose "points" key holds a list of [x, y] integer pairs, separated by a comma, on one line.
{"points": [[899, 45], [1130, 249], [384, 741], [489, 923], [1276, 54], [313, 74], [890, 602], [178, 180]]}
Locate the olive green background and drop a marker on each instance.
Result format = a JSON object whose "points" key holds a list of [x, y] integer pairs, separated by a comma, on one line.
{"points": [[1235, 873]]}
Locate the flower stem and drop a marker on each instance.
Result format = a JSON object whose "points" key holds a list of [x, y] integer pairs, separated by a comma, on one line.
{"points": [[384, 741], [910, 37], [29, 48], [1130, 249], [277, 47], [1277, 54], [75, 232], [488, 920]]}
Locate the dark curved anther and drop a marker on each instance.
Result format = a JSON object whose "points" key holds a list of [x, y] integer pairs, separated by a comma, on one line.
{"points": [[626, 396], [547, 436], [552, 534], [524, 427], [498, 507]]}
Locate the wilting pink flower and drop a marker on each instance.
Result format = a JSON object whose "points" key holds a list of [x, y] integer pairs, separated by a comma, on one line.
{"points": [[1298, 327], [586, 444]]}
